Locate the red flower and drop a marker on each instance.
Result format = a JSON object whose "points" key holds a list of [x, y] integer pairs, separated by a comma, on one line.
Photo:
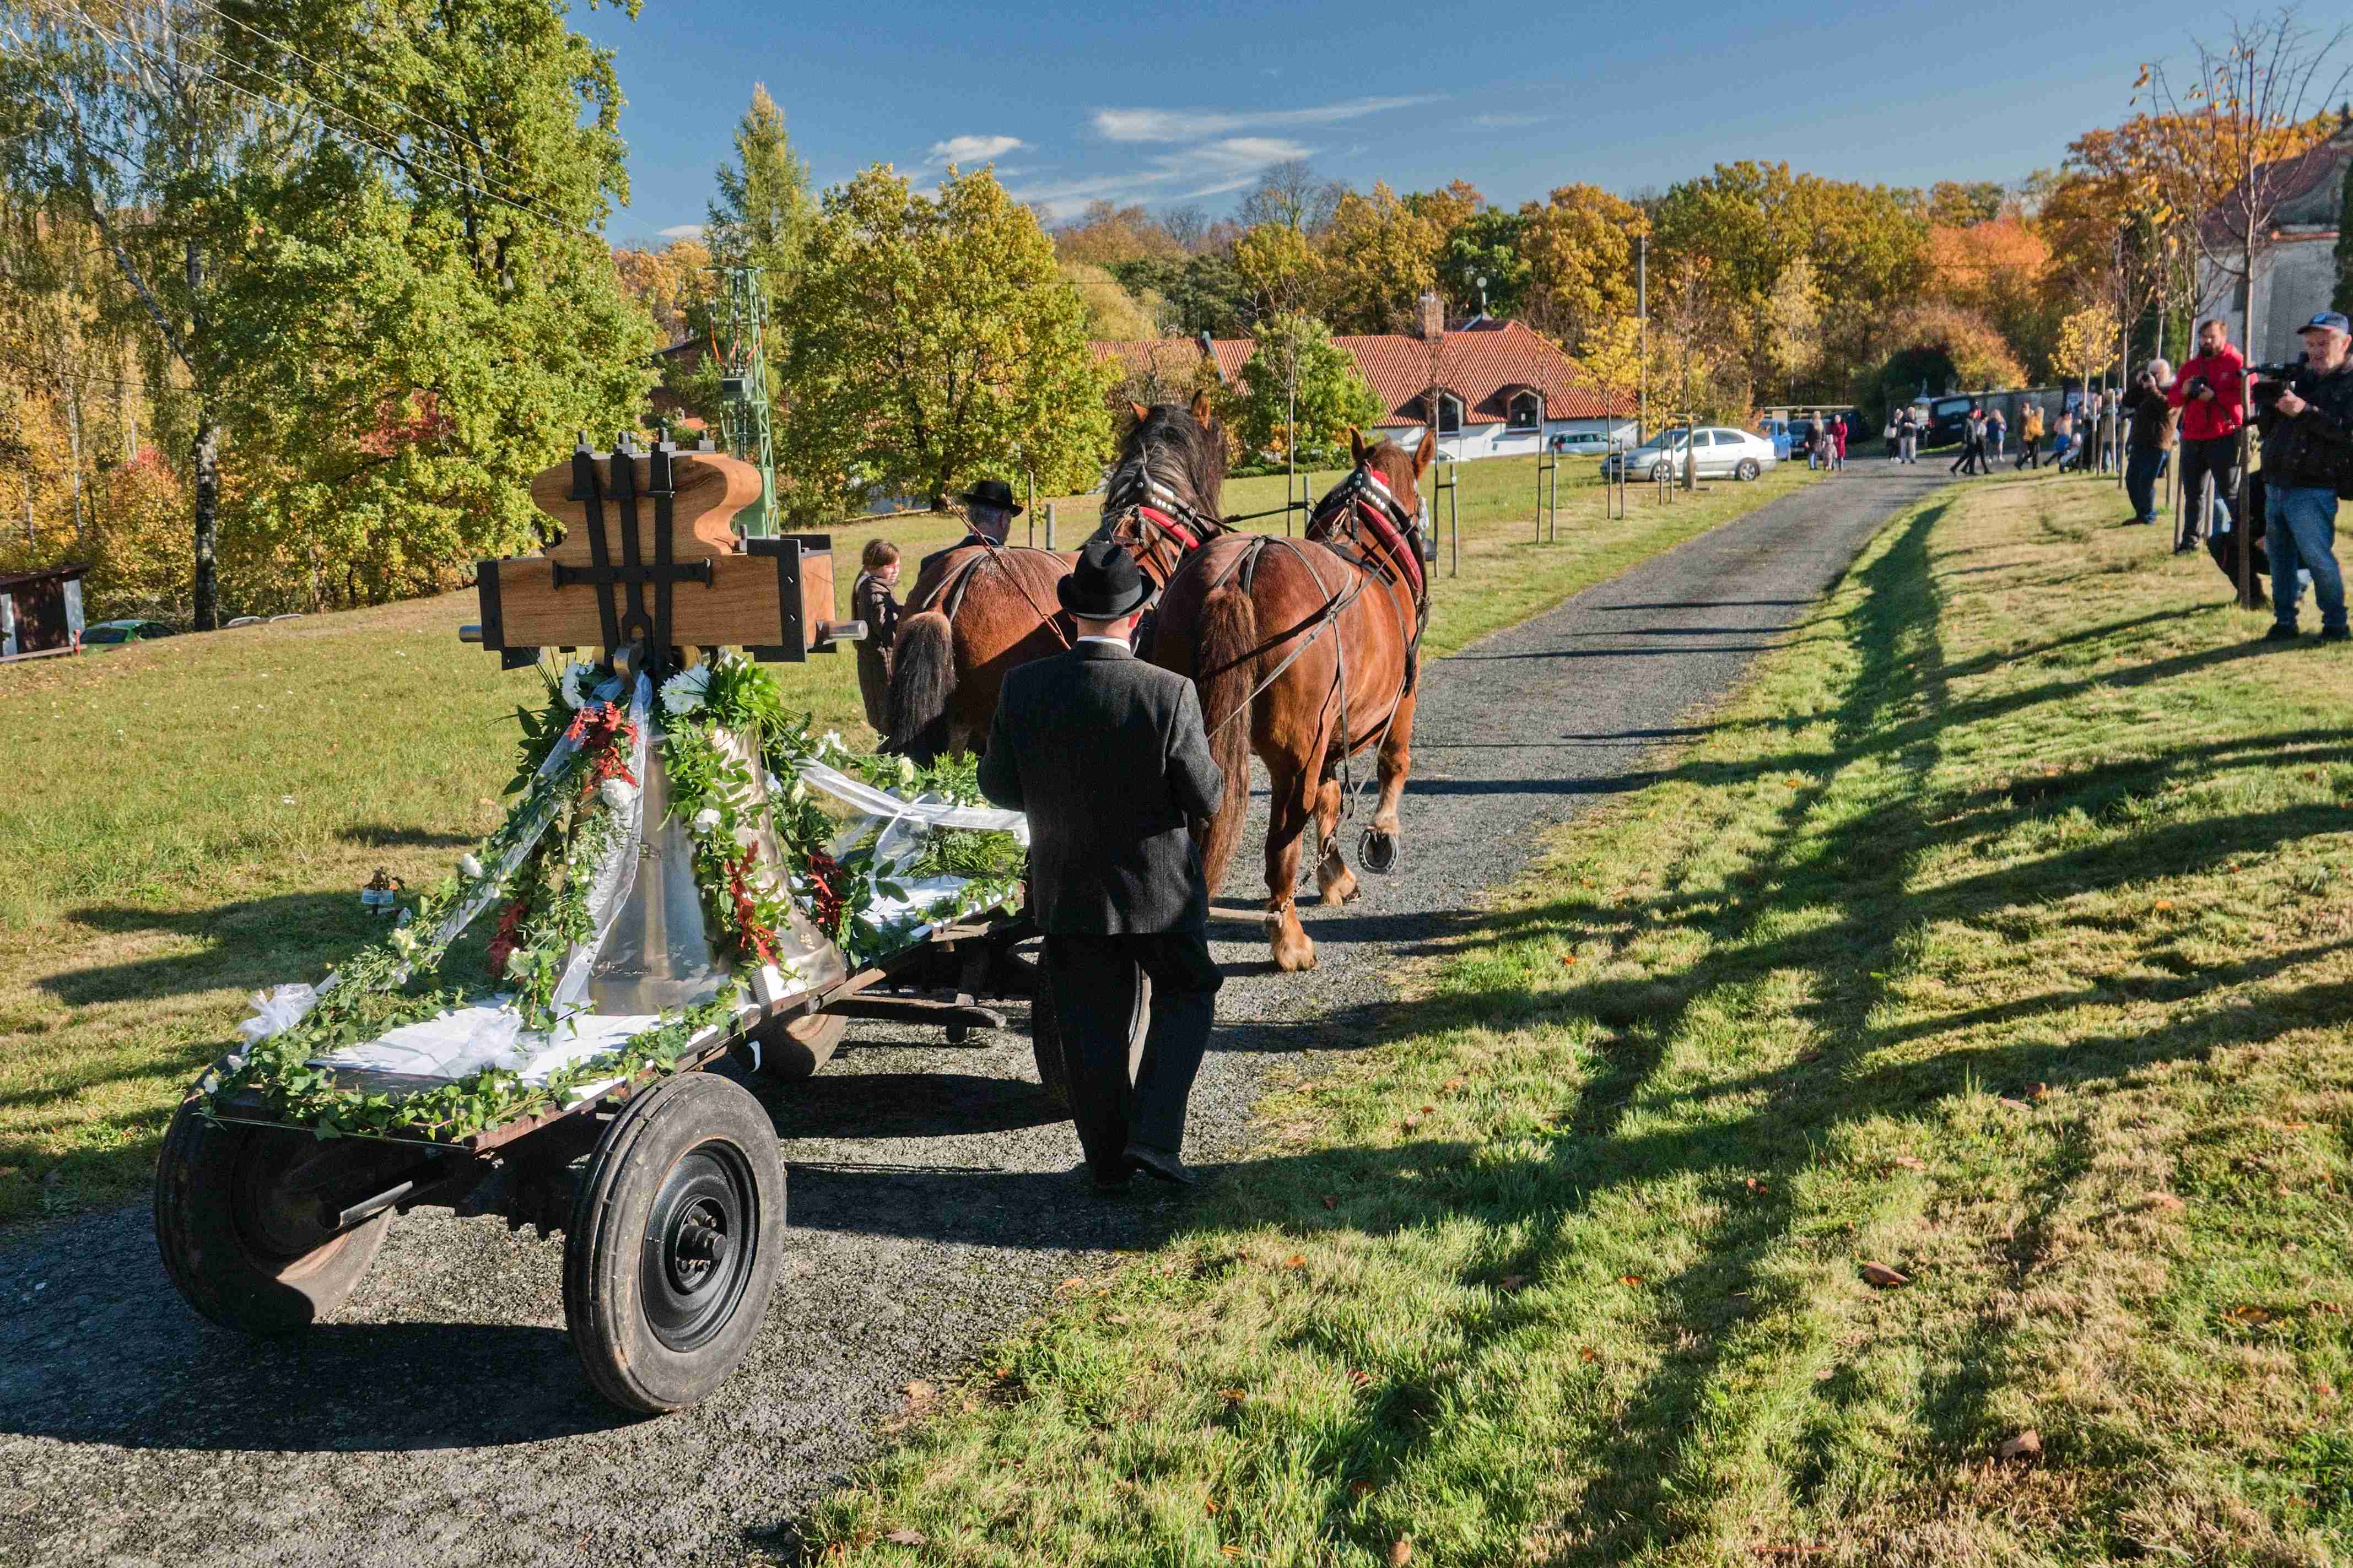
{"points": [[509, 936]]}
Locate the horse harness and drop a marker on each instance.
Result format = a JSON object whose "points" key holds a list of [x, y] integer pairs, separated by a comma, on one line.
{"points": [[948, 597]]}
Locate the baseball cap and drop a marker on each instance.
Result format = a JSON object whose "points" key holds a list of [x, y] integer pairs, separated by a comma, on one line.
{"points": [[2328, 321]]}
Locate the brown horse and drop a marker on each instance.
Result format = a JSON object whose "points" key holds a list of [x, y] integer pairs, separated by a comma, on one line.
{"points": [[1303, 653], [977, 612]]}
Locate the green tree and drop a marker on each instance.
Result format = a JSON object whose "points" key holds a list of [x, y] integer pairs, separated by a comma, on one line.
{"points": [[1278, 269], [761, 215], [1578, 244], [1332, 393], [1485, 245], [932, 343], [1199, 294]]}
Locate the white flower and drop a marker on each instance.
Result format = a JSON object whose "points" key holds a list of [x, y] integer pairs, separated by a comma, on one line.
{"points": [[617, 793], [706, 820], [469, 867], [799, 792], [576, 682], [404, 941], [831, 742], [684, 692]]}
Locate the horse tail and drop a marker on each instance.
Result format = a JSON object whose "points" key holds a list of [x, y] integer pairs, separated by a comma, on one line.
{"points": [[1229, 636], [922, 678]]}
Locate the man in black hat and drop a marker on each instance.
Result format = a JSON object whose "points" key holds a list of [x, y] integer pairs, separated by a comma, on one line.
{"points": [[989, 509], [1108, 756]]}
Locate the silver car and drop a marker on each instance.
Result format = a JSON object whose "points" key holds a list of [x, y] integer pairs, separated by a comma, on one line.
{"points": [[1722, 453]]}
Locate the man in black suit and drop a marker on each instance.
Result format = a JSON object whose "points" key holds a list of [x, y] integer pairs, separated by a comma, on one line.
{"points": [[1107, 756], [989, 509]]}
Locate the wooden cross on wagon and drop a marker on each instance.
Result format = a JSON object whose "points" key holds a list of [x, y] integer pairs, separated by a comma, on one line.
{"points": [[648, 536]]}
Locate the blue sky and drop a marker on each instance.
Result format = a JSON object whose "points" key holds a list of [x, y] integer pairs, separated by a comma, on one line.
{"points": [[1186, 101]]}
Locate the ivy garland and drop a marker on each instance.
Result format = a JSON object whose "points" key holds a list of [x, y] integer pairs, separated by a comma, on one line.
{"points": [[569, 820]]}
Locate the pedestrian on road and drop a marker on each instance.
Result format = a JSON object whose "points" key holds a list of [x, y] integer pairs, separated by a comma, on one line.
{"points": [[1838, 442], [2063, 439], [2307, 430], [2030, 439], [2209, 394], [1997, 432], [2150, 440], [1815, 456], [870, 601], [1972, 459], [1108, 755], [2106, 453], [1910, 435]]}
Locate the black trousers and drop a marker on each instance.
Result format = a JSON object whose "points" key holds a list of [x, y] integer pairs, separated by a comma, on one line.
{"points": [[1095, 998], [2218, 456]]}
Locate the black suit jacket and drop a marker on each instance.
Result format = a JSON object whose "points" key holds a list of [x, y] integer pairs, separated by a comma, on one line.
{"points": [[1107, 756]]}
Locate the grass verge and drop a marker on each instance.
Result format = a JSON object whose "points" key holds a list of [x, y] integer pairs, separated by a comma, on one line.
{"points": [[189, 820], [1995, 936]]}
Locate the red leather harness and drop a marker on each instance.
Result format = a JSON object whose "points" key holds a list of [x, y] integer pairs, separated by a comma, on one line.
{"points": [[1361, 508]]}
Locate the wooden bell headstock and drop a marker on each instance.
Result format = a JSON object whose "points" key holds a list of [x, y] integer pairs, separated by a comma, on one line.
{"points": [[650, 558]]}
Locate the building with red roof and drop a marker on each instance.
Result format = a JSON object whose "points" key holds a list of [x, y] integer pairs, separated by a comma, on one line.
{"points": [[2295, 254], [1494, 387]]}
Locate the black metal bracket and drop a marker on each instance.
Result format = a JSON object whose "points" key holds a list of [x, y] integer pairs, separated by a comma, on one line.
{"points": [[793, 643], [618, 484], [691, 571]]}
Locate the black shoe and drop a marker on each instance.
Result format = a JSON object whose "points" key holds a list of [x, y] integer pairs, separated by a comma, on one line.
{"points": [[1107, 1184], [1161, 1165], [2335, 634], [2185, 547], [2280, 633]]}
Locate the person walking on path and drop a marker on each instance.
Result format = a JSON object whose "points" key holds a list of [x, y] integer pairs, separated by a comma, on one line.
{"points": [[2151, 438], [2107, 455], [1109, 757], [870, 601], [1838, 443], [2208, 393], [1972, 459], [1815, 456], [1997, 432], [1909, 432], [2063, 439], [2030, 439], [2307, 430]]}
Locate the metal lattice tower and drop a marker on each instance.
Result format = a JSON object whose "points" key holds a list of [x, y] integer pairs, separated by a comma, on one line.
{"points": [[744, 389]]}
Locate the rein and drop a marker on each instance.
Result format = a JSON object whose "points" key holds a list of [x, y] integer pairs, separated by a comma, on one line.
{"points": [[949, 595]]}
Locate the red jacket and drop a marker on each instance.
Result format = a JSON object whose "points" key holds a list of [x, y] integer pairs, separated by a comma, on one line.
{"points": [[2202, 420]]}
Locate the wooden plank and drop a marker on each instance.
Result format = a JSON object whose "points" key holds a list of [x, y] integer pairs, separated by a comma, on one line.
{"points": [[712, 488], [742, 606]]}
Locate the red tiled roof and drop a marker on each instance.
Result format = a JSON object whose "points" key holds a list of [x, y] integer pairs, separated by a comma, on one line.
{"points": [[1482, 363], [2304, 191]]}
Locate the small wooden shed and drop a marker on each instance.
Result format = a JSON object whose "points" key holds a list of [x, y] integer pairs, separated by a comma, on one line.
{"points": [[40, 611]]}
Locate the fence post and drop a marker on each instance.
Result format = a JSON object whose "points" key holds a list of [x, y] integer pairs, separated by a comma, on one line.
{"points": [[1050, 525], [1552, 503]]}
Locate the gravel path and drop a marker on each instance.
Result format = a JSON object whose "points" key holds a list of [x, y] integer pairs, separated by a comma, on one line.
{"points": [[442, 1417]]}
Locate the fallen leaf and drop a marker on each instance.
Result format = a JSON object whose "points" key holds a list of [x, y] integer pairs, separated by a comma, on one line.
{"points": [[1360, 1377], [2247, 1314], [919, 1394], [1230, 1550], [1630, 1279], [1074, 1284], [2167, 1201], [1331, 1203], [2162, 905], [1453, 1084], [1210, 1508], [1233, 1395], [1400, 1553], [1360, 1489], [2038, 1091], [1882, 1276], [1906, 1162], [1757, 1186], [2016, 1104], [1586, 1352], [2027, 1445], [905, 1538], [1511, 1282], [1569, 958], [1296, 1260], [1410, 1122]]}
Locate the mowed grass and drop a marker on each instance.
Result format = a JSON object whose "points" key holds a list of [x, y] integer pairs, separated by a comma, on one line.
{"points": [[1997, 935], [189, 821]]}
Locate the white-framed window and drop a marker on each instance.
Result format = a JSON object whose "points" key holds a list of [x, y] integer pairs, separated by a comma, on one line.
{"points": [[1450, 414], [1526, 411]]}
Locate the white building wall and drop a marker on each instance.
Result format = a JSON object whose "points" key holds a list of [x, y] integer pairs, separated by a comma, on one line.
{"points": [[1502, 441], [2294, 279]]}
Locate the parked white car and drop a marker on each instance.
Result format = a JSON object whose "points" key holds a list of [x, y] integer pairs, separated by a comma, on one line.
{"points": [[1722, 453]]}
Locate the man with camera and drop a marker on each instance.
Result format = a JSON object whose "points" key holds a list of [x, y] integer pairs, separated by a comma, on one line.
{"points": [[2150, 438], [2209, 394], [2306, 420]]}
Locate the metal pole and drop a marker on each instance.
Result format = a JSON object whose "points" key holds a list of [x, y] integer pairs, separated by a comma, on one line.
{"points": [[1552, 509], [1643, 317]]}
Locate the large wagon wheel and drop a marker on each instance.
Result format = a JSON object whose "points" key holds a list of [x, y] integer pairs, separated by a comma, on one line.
{"points": [[239, 1220], [1046, 1033], [674, 1244]]}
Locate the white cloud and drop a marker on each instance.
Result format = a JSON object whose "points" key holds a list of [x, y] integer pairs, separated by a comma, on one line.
{"points": [[1186, 125], [973, 148], [683, 231], [1226, 164], [1505, 121]]}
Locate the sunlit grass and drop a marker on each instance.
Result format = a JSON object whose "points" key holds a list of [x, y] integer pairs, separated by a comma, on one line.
{"points": [[1998, 934]]}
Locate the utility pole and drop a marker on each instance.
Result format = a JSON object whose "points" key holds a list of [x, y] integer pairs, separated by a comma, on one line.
{"points": [[744, 389], [1643, 317]]}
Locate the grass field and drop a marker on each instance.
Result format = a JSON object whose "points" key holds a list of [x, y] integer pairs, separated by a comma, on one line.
{"points": [[1995, 936], [188, 820]]}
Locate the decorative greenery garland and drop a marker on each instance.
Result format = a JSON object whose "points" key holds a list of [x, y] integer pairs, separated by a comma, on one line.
{"points": [[569, 816]]}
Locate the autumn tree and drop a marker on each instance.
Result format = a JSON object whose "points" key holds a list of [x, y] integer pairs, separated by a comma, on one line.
{"points": [[2000, 270], [931, 343], [1291, 195], [1379, 257], [1579, 245], [670, 285], [1106, 232], [1202, 293], [1112, 311], [1278, 270]]}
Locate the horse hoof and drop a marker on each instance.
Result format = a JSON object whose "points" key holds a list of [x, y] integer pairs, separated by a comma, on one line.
{"points": [[1293, 960], [1342, 889], [1379, 852]]}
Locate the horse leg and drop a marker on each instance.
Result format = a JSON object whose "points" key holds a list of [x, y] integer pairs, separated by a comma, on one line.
{"points": [[1292, 804], [1331, 874], [1395, 760]]}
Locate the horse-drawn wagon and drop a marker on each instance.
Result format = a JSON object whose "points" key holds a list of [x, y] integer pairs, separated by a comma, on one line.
{"points": [[692, 893]]}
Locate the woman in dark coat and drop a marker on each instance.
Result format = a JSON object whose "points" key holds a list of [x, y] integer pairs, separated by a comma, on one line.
{"points": [[870, 601]]}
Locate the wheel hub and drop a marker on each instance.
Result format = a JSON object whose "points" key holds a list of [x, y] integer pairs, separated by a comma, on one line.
{"points": [[697, 1253]]}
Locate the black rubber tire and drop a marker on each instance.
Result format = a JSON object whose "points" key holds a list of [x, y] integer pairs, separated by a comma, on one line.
{"points": [[213, 1247], [1046, 1035], [662, 1159], [1748, 470], [795, 1048]]}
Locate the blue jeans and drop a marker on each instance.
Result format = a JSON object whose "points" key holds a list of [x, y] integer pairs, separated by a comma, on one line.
{"points": [[2141, 470], [2300, 526]]}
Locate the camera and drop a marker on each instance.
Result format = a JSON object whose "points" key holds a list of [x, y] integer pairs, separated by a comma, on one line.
{"points": [[2271, 380], [2197, 387]]}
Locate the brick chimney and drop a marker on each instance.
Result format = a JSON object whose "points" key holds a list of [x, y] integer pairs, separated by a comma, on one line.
{"points": [[1429, 317]]}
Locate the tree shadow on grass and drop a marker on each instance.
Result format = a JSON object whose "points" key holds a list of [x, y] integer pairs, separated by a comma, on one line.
{"points": [[246, 945]]}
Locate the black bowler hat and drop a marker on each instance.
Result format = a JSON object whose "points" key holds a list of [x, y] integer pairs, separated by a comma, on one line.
{"points": [[992, 492], [1104, 585]]}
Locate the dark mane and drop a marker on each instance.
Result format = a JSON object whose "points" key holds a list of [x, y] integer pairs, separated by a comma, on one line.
{"points": [[1169, 445]]}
